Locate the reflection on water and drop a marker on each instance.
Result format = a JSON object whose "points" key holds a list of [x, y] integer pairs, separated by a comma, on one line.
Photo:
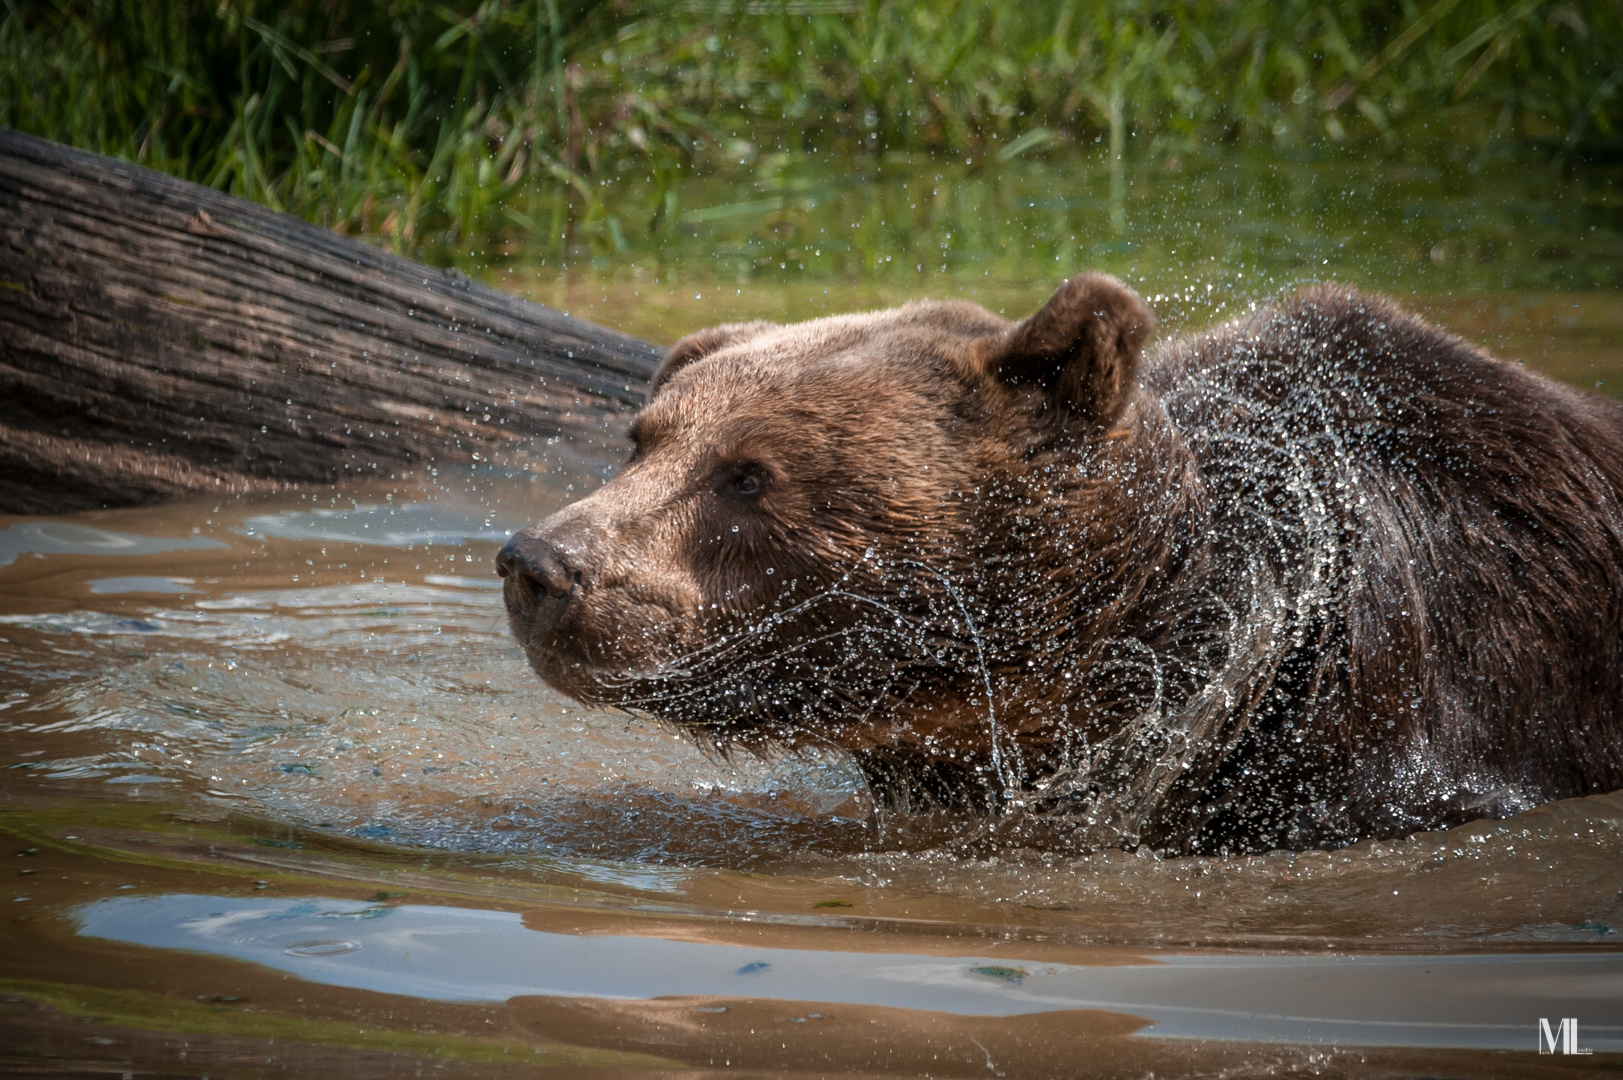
{"points": [[468, 954], [393, 526], [139, 583], [60, 537]]}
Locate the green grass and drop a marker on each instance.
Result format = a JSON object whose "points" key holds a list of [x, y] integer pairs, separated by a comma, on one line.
{"points": [[397, 120]]}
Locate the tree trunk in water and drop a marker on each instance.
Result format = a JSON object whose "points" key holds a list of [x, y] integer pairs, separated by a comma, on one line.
{"points": [[158, 338]]}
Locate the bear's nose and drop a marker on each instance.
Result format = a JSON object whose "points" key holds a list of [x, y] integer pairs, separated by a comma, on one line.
{"points": [[539, 562]]}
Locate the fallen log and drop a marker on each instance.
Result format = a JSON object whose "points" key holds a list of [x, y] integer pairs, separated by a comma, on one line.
{"points": [[159, 338]]}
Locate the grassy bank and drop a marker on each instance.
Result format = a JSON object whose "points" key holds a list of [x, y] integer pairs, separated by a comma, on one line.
{"points": [[486, 120]]}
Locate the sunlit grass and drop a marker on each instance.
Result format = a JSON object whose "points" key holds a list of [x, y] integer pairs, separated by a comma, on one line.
{"points": [[456, 125]]}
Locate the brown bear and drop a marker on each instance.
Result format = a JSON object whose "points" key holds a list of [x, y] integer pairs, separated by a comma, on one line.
{"points": [[1321, 574]]}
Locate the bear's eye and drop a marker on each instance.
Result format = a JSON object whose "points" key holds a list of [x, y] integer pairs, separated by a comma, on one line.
{"points": [[740, 482]]}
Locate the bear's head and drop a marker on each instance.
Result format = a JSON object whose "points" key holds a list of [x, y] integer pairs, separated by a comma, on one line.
{"points": [[849, 529]]}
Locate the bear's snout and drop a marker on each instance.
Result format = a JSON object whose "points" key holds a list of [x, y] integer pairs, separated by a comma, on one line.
{"points": [[538, 565], [542, 580]]}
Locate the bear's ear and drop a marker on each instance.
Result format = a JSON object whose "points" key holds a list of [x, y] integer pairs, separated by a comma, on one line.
{"points": [[700, 344], [1082, 347]]}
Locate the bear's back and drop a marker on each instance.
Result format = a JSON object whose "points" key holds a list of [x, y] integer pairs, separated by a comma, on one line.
{"points": [[1440, 534]]}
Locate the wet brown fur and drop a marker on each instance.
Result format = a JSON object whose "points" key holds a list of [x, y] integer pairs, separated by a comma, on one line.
{"points": [[1320, 574]]}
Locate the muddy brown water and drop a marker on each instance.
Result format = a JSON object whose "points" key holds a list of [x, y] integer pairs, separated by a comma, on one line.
{"points": [[280, 797]]}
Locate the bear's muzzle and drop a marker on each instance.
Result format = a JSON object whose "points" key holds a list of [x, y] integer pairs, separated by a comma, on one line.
{"points": [[538, 565]]}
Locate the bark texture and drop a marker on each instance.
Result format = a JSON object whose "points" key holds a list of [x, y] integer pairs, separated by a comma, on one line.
{"points": [[159, 338]]}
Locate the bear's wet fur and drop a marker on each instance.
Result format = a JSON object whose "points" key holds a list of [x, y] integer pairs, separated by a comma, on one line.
{"points": [[1321, 574]]}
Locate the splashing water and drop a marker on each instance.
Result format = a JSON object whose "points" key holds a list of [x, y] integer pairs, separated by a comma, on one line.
{"points": [[379, 696]]}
